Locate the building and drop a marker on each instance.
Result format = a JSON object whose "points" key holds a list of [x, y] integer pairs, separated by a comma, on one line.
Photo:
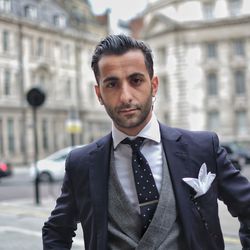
{"points": [[202, 57], [48, 43]]}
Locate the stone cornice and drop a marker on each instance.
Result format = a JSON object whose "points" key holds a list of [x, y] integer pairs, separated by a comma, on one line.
{"points": [[45, 28], [195, 25]]}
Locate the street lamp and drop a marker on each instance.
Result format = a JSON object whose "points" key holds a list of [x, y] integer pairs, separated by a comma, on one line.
{"points": [[36, 97], [73, 125]]}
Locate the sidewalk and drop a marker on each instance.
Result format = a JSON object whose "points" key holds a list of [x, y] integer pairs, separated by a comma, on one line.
{"points": [[21, 222]]}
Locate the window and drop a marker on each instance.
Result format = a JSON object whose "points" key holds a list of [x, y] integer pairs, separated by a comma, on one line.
{"points": [[45, 142], [7, 83], [241, 122], [234, 7], [55, 134], [91, 92], [240, 82], [67, 52], [30, 11], [213, 120], [41, 80], [211, 50], [212, 84], [22, 135], [239, 48], [1, 137], [68, 91], [40, 47], [166, 118], [5, 40], [10, 135], [208, 10], [5, 5], [59, 20], [161, 55], [164, 88]]}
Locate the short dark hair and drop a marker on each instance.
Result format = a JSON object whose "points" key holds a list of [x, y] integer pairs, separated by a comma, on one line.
{"points": [[118, 45]]}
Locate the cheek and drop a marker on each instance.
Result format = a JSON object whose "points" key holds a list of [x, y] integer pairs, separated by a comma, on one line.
{"points": [[109, 99]]}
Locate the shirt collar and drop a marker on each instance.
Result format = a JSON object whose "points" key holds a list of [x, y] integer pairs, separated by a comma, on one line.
{"points": [[150, 131]]}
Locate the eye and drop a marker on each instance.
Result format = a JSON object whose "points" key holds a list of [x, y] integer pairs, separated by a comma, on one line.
{"points": [[136, 80], [111, 84]]}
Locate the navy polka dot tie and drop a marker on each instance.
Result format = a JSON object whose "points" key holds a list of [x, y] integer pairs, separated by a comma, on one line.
{"points": [[147, 191]]}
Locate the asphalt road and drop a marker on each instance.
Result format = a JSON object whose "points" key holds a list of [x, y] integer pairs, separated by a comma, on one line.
{"points": [[21, 186], [21, 219]]}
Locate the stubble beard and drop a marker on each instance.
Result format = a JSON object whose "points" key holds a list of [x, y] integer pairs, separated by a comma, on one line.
{"points": [[133, 120]]}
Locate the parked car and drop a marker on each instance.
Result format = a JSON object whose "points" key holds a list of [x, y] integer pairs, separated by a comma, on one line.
{"points": [[52, 167], [237, 159], [240, 150], [5, 169]]}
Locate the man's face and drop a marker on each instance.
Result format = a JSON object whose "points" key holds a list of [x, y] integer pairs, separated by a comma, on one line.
{"points": [[126, 90]]}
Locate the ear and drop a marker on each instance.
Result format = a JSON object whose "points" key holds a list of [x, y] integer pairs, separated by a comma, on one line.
{"points": [[155, 84], [98, 94]]}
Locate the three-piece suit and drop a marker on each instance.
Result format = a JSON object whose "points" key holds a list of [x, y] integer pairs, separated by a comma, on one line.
{"points": [[92, 196]]}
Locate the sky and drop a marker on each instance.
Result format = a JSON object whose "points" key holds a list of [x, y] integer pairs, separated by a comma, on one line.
{"points": [[123, 10]]}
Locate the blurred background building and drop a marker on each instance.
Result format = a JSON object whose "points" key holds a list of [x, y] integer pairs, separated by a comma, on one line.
{"points": [[48, 43], [202, 57]]}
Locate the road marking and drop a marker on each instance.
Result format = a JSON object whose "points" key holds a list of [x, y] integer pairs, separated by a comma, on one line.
{"points": [[232, 240], [22, 211], [20, 230], [76, 242]]}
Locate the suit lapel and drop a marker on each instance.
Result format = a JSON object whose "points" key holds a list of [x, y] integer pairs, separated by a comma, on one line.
{"points": [[178, 160], [98, 179]]}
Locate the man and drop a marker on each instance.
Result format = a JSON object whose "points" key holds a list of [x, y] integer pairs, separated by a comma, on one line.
{"points": [[144, 185]]}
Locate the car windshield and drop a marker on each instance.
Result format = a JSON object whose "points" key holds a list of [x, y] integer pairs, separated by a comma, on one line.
{"points": [[60, 155], [238, 148]]}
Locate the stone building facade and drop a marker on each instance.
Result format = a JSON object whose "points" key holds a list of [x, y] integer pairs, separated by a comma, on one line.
{"points": [[47, 43], [202, 56]]}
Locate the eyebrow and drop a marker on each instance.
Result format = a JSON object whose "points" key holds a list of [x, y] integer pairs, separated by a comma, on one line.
{"points": [[110, 78], [136, 74], [114, 78]]}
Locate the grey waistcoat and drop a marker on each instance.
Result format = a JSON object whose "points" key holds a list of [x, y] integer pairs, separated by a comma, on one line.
{"points": [[163, 233]]}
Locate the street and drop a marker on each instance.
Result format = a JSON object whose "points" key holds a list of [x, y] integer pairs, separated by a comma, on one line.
{"points": [[21, 186], [21, 219]]}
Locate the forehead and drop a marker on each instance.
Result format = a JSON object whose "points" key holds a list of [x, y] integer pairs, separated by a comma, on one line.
{"points": [[130, 59]]}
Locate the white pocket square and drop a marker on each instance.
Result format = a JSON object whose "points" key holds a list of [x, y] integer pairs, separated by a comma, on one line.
{"points": [[203, 183]]}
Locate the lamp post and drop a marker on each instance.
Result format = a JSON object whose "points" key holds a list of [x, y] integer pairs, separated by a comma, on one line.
{"points": [[35, 98], [73, 125]]}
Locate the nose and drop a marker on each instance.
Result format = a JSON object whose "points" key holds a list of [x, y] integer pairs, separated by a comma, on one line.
{"points": [[125, 93]]}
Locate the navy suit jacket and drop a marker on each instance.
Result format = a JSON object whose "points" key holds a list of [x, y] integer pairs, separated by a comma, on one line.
{"points": [[84, 196]]}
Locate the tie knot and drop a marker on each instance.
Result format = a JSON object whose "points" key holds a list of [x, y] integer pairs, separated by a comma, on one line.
{"points": [[135, 144]]}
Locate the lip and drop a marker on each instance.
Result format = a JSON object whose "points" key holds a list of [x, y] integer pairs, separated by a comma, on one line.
{"points": [[127, 111]]}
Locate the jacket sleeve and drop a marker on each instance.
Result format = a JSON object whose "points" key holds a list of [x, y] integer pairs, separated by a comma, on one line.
{"points": [[234, 191], [59, 229]]}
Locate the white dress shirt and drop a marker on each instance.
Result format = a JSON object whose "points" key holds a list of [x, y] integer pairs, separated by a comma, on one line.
{"points": [[151, 149]]}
